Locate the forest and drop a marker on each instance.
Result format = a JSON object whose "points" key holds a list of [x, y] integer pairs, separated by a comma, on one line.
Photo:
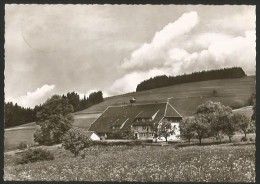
{"points": [[16, 115], [163, 80]]}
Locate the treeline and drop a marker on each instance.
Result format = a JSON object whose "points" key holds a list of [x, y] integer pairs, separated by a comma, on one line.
{"points": [[162, 81], [16, 115], [78, 104]]}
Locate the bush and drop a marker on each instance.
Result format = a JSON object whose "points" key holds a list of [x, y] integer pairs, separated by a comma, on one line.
{"points": [[22, 145], [214, 92], [35, 155], [76, 140], [244, 139]]}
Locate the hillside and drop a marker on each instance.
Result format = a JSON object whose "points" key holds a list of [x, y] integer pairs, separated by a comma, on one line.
{"points": [[186, 97]]}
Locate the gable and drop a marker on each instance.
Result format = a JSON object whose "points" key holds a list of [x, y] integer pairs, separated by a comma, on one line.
{"points": [[170, 111]]}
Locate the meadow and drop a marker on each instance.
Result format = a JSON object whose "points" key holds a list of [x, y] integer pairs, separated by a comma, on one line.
{"points": [[218, 163], [186, 97]]}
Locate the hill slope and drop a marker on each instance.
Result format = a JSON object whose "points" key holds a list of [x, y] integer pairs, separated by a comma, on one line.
{"points": [[186, 97]]}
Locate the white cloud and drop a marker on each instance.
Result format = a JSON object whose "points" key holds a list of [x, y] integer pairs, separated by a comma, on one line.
{"points": [[148, 53], [128, 83], [168, 55], [33, 98], [245, 19]]}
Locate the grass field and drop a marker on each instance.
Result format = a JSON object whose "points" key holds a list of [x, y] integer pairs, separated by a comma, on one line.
{"points": [[13, 137], [186, 97], [219, 163]]}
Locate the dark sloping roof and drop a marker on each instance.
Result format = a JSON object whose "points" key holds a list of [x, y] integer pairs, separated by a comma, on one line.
{"points": [[120, 121], [119, 115], [171, 112], [147, 113]]}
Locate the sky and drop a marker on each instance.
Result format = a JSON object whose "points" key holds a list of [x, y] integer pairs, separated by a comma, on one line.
{"points": [[55, 49]]}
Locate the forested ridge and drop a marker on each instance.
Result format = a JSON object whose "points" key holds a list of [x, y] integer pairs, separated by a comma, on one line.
{"points": [[16, 115], [163, 80]]}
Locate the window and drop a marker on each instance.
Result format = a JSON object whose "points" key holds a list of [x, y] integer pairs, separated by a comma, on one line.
{"points": [[144, 127]]}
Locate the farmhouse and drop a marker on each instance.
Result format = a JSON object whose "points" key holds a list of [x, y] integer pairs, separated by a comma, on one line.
{"points": [[138, 118]]}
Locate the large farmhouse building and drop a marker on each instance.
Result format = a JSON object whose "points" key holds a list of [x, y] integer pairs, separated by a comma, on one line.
{"points": [[139, 118]]}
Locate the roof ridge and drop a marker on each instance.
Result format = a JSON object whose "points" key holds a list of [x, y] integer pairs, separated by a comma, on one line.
{"points": [[125, 105], [165, 108]]}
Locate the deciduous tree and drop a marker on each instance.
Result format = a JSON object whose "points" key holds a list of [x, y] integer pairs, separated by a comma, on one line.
{"points": [[165, 129], [242, 122], [201, 126], [186, 128], [218, 117], [76, 140], [54, 119]]}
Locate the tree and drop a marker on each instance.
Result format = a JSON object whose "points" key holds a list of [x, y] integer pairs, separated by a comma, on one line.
{"points": [[221, 122], [230, 127], [186, 129], [54, 119], [75, 140], [74, 100], [154, 128], [201, 126], [253, 117], [165, 130], [217, 116], [242, 122], [214, 92], [95, 97]]}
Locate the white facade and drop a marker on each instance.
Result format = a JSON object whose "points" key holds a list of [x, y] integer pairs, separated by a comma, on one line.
{"points": [[175, 124], [145, 132], [94, 137]]}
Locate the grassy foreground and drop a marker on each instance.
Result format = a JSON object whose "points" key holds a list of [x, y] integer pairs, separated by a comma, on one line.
{"points": [[224, 163]]}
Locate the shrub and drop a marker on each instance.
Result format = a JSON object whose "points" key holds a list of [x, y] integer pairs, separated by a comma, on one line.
{"points": [[244, 139], [22, 145], [76, 140], [214, 92], [35, 155]]}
